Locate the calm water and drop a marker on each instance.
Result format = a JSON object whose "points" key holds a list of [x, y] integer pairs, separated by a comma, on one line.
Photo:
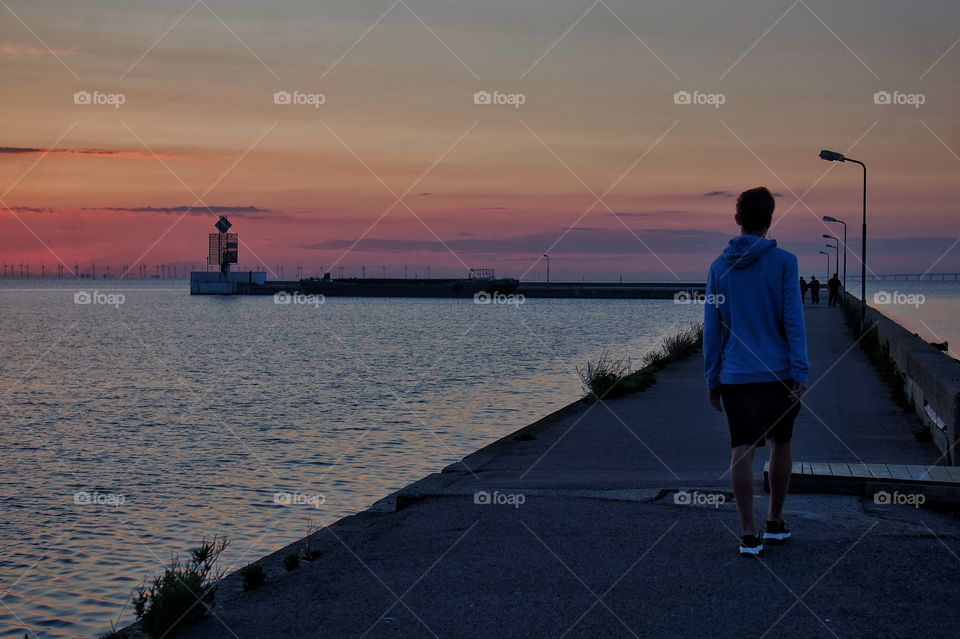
{"points": [[930, 309], [182, 417]]}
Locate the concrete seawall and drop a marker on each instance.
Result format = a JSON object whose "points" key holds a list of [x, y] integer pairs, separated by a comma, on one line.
{"points": [[932, 380]]}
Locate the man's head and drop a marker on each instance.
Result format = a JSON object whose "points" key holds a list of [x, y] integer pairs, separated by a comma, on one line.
{"points": [[755, 210]]}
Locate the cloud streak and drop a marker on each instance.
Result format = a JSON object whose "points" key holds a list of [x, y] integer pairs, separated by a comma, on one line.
{"points": [[27, 150], [200, 208]]}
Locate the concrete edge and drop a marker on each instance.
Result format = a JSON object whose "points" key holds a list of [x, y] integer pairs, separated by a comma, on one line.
{"points": [[479, 458]]}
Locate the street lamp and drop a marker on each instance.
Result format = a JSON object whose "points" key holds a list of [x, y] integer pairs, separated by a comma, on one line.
{"points": [[548, 267], [828, 218], [835, 247], [833, 156], [828, 264]]}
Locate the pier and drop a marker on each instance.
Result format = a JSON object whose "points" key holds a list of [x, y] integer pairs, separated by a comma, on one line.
{"points": [[615, 519], [256, 283]]}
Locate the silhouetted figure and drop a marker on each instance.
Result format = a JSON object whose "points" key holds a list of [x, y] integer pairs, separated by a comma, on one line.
{"points": [[814, 290], [833, 287], [803, 290]]}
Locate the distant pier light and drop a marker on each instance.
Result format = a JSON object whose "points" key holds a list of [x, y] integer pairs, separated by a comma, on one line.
{"points": [[223, 252], [223, 246]]}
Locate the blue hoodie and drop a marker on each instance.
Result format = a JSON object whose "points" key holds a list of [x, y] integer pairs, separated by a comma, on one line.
{"points": [[753, 326]]}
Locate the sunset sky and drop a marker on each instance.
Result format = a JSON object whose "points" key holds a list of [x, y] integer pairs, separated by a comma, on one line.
{"points": [[598, 166]]}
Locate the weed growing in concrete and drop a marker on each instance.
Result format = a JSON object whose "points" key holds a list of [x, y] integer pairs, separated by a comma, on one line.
{"points": [[183, 593]]}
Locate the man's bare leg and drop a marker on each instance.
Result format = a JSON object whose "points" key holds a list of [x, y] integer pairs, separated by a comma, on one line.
{"points": [[741, 474], [781, 466]]}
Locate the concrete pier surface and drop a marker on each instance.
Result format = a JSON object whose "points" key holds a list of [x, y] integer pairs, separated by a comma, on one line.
{"points": [[615, 519]]}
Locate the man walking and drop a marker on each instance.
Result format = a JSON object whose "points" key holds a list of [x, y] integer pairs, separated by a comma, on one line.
{"points": [[814, 289], [755, 352], [833, 288]]}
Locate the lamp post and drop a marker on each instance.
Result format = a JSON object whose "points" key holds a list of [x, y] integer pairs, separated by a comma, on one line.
{"points": [[833, 156], [548, 267], [828, 264], [827, 218], [835, 247]]}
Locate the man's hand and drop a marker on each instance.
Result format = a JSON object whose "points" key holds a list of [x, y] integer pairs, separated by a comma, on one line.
{"points": [[798, 390], [714, 396]]}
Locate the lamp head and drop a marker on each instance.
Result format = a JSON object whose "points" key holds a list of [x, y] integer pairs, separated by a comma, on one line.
{"points": [[829, 237], [832, 156], [827, 218]]}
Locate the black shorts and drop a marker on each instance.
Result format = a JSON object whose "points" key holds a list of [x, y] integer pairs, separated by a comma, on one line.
{"points": [[759, 411]]}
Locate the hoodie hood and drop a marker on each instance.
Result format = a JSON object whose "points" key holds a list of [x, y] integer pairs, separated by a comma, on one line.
{"points": [[744, 250]]}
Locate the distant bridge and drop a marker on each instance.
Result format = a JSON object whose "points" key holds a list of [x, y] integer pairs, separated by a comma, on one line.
{"points": [[917, 277]]}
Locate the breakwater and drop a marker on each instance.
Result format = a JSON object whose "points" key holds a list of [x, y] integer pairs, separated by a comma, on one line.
{"points": [[255, 283]]}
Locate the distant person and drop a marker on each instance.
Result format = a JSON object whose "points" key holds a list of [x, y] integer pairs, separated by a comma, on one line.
{"points": [[755, 358], [833, 290], [803, 290], [814, 290]]}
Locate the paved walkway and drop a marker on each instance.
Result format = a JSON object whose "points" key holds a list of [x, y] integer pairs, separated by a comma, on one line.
{"points": [[669, 436], [599, 545]]}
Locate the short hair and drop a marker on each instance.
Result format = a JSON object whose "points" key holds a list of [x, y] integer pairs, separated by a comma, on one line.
{"points": [[755, 208]]}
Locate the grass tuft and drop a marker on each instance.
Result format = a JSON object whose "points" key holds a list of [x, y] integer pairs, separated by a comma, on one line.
{"points": [[608, 378], [291, 561], [254, 576], [604, 378], [183, 593]]}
